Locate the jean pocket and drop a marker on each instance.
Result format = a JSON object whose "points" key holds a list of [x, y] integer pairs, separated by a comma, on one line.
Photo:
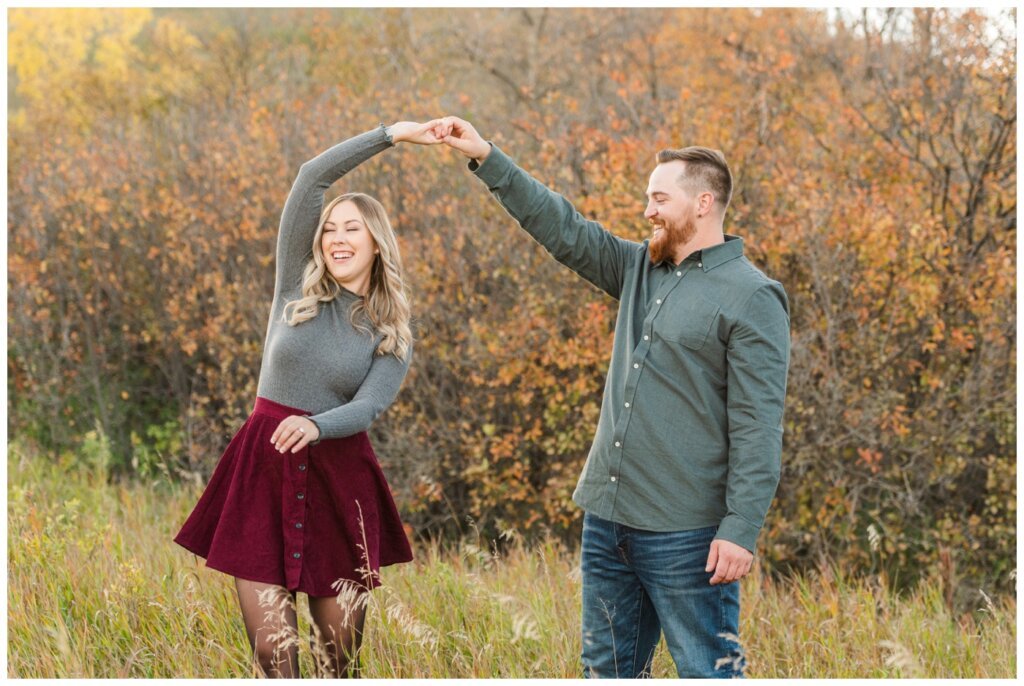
{"points": [[705, 532]]}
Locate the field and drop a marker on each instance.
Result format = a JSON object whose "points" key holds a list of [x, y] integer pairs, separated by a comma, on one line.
{"points": [[98, 589]]}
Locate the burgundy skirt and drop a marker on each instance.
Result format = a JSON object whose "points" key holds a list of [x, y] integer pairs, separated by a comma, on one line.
{"points": [[305, 521]]}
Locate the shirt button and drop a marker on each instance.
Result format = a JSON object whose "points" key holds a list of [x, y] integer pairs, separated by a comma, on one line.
{"points": [[302, 467], [617, 444], [613, 478], [627, 404], [636, 365], [647, 338], [296, 555], [298, 525], [299, 496], [700, 264], [658, 301], [679, 273]]}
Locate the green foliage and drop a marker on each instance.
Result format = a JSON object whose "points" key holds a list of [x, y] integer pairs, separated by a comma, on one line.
{"points": [[152, 450], [95, 454]]}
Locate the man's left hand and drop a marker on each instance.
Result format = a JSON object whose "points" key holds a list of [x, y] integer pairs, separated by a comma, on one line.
{"points": [[730, 561]]}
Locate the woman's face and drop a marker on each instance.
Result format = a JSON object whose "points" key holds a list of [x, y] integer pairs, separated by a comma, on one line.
{"points": [[348, 247]]}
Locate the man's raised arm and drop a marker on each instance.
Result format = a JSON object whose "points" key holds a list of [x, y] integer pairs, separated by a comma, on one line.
{"points": [[580, 244]]}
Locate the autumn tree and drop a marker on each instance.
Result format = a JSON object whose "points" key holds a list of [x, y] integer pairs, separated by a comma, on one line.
{"points": [[150, 152]]}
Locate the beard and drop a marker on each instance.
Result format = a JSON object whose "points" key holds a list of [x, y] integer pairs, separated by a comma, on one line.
{"points": [[671, 237]]}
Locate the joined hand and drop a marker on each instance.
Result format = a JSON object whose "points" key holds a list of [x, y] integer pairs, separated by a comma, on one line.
{"points": [[414, 132], [459, 134], [452, 131]]}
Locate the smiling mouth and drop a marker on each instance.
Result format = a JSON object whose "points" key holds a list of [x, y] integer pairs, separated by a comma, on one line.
{"points": [[342, 255]]}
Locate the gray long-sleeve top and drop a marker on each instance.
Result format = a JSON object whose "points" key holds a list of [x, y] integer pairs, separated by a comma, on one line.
{"points": [[690, 433], [324, 365]]}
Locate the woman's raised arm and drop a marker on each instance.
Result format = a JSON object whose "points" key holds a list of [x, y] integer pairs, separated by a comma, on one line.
{"points": [[305, 201]]}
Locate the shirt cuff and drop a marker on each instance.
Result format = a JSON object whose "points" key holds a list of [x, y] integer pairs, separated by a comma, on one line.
{"points": [[387, 134], [319, 432], [493, 165], [737, 530]]}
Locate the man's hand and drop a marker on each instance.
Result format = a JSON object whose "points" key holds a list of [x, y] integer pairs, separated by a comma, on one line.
{"points": [[294, 433], [730, 561], [460, 134], [414, 132]]}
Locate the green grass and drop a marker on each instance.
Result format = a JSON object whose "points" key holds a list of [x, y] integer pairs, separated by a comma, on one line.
{"points": [[97, 588]]}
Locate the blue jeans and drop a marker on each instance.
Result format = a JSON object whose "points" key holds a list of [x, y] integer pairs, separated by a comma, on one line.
{"points": [[639, 583]]}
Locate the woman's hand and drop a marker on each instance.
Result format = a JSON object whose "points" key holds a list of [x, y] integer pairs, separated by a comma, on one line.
{"points": [[421, 134], [460, 134], [295, 433]]}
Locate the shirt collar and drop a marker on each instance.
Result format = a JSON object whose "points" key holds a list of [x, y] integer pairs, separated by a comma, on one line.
{"points": [[717, 255], [714, 255]]}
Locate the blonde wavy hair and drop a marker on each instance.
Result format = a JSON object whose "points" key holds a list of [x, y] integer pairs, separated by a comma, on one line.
{"points": [[385, 304]]}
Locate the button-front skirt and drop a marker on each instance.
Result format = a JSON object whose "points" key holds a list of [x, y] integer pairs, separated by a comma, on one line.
{"points": [[304, 520]]}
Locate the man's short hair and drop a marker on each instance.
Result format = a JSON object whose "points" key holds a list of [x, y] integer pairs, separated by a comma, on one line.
{"points": [[706, 170]]}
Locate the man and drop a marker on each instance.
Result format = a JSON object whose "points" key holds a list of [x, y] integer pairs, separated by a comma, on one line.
{"points": [[686, 458]]}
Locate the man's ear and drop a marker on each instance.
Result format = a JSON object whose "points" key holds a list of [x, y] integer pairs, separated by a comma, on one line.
{"points": [[705, 203]]}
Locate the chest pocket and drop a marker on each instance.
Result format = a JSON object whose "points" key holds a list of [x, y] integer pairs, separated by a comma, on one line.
{"points": [[688, 321]]}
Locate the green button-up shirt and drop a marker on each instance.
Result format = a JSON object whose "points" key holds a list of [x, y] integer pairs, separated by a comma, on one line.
{"points": [[690, 433]]}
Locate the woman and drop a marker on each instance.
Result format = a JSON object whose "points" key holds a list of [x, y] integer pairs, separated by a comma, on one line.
{"points": [[298, 502]]}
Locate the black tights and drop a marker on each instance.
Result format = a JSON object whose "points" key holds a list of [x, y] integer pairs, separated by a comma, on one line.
{"points": [[335, 634]]}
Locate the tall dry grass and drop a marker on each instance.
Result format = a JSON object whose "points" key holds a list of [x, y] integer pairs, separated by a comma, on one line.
{"points": [[98, 589]]}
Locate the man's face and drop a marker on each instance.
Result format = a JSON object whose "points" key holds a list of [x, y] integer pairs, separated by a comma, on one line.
{"points": [[671, 211]]}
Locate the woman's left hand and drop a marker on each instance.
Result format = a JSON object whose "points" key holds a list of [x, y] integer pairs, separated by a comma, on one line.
{"points": [[294, 433], [414, 132]]}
